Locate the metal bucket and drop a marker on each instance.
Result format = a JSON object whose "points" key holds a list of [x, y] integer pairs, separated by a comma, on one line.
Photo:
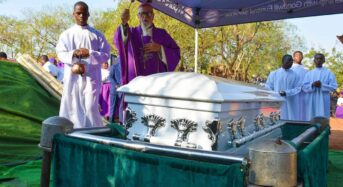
{"points": [[273, 163]]}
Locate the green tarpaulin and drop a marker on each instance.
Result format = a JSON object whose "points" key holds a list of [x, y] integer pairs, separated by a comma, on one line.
{"points": [[24, 104]]}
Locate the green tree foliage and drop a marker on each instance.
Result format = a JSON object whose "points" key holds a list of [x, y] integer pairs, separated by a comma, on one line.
{"points": [[37, 33], [12, 37], [44, 28], [237, 51]]}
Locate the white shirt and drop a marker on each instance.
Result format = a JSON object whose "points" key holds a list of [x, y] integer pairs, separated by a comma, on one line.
{"points": [[105, 74], [51, 68], [340, 101]]}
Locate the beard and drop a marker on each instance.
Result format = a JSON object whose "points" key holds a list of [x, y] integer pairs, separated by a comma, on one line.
{"points": [[146, 25]]}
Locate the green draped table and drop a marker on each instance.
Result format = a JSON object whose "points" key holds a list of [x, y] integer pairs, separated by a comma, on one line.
{"points": [[84, 163]]}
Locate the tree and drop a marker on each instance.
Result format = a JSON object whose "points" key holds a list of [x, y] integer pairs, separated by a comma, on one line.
{"points": [[237, 51], [45, 27]]}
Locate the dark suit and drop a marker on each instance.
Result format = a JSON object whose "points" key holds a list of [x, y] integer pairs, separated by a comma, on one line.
{"points": [[116, 104]]}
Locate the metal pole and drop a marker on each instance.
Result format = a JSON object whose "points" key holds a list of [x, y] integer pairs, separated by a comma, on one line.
{"points": [[50, 127], [239, 142], [46, 165], [192, 154], [196, 51], [305, 135]]}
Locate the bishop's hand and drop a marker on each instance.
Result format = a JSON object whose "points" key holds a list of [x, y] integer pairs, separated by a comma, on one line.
{"points": [[152, 48]]}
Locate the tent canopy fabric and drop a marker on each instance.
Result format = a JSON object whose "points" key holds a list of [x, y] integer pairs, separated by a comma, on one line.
{"points": [[213, 13]]}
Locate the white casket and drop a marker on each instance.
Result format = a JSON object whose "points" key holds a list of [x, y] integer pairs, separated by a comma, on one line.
{"points": [[196, 111]]}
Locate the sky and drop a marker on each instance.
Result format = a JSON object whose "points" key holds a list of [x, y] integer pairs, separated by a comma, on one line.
{"points": [[317, 32]]}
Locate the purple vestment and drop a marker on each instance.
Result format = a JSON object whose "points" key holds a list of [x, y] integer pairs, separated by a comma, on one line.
{"points": [[339, 109], [135, 63], [104, 99]]}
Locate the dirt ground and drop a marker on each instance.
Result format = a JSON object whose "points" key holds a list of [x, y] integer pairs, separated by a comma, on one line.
{"points": [[336, 137]]}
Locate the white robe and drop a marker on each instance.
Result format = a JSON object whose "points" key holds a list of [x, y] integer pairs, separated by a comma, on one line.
{"points": [[288, 81], [317, 100], [301, 71], [81, 93]]}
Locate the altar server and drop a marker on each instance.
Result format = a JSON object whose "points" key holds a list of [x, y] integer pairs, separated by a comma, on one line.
{"points": [[82, 49], [318, 83], [287, 83]]}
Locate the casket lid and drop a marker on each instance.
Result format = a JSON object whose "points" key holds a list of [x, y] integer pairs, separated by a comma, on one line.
{"points": [[198, 87]]}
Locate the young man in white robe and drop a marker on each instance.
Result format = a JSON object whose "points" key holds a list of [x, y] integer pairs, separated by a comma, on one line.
{"points": [[287, 83], [317, 84], [82, 49], [301, 71]]}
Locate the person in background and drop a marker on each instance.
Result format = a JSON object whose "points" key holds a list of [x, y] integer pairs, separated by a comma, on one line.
{"points": [[146, 49], [301, 71], [317, 84], [49, 65], [104, 98], [287, 83], [82, 49], [339, 109], [333, 102], [60, 72], [3, 56], [116, 110]]}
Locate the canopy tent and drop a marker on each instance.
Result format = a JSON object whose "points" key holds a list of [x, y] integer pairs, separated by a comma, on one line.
{"points": [[213, 13]]}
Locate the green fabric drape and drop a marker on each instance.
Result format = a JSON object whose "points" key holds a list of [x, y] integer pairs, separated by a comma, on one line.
{"points": [[290, 131], [312, 158], [24, 104], [83, 163], [313, 161]]}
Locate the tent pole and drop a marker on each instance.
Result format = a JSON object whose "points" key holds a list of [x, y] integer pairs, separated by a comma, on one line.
{"points": [[196, 50]]}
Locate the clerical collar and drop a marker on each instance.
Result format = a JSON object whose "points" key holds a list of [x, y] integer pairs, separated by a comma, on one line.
{"points": [[147, 30]]}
